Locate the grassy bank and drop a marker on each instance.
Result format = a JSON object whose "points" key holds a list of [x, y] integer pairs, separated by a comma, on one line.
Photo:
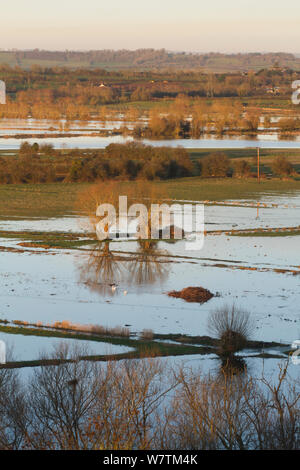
{"points": [[159, 346], [140, 348]]}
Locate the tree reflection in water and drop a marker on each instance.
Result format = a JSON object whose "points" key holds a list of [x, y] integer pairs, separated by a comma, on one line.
{"points": [[233, 365], [149, 265], [101, 269], [104, 269]]}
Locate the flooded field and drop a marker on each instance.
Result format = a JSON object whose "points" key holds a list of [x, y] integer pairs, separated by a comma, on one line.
{"points": [[94, 142], [87, 134], [113, 296], [250, 258], [28, 348]]}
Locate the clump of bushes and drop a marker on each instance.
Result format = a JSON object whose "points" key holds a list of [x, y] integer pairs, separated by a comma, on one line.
{"points": [[147, 334], [241, 169], [133, 161], [289, 124], [42, 164], [282, 167], [215, 165], [35, 149], [192, 294], [33, 165], [232, 327]]}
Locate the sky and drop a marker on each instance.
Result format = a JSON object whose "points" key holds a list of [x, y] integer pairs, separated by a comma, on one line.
{"points": [[177, 25]]}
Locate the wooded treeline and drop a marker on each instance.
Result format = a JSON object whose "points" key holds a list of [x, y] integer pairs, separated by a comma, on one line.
{"points": [[131, 161], [153, 58]]}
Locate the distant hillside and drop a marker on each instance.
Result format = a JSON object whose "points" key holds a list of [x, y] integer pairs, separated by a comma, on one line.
{"points": [[143, 59]]}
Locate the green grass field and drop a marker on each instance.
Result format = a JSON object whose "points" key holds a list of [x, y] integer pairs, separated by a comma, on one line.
{"points": [[267, 157], [248, 153], [40, 200], [59, 199]]}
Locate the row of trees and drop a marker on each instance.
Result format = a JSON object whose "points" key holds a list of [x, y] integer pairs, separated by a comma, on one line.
{"points": [[183, 118], [155, 58], [41, 164], [131, 161], [219, 165], [51, 92]]}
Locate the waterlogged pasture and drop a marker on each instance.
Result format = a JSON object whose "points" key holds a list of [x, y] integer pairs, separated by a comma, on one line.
{"points": [[53, 271], [28, 348], [208, 142], [125, 283], [59, 285], [96, 134], [12, 127]]}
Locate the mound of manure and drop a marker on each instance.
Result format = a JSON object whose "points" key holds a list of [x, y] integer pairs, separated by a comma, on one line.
{"points": [[192, 294]]}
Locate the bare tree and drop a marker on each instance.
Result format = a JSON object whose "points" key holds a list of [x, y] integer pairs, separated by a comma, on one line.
{"points": [[12, 408], [143, 404], [61, 398]]}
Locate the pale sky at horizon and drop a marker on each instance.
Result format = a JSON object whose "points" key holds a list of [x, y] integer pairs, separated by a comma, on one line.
{"points": [[190, 25]]}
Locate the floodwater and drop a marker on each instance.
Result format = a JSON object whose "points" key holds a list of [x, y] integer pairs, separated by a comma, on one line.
{"points": [[26, 348], [70, 286], [125, 283], [81, 136], [260, 274], [95, 142]]}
